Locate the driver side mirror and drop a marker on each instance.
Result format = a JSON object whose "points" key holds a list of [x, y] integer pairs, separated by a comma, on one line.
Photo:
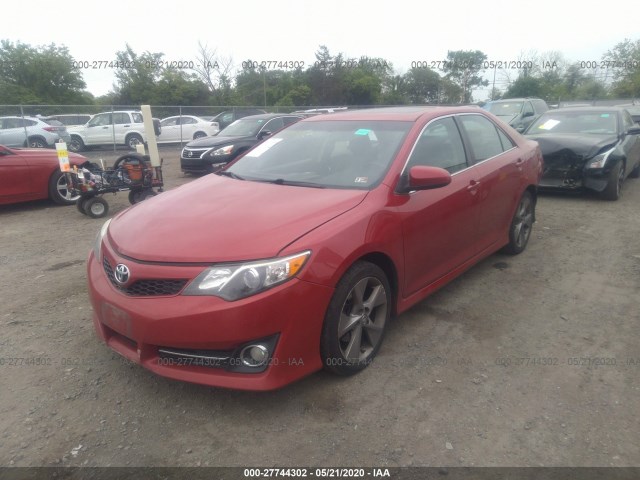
{"points": [[527, 114], [422, 177], [633, 131], [263, 134]]}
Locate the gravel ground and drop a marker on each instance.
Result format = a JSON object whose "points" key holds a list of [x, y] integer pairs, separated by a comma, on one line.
{"points": [[522, 361]]}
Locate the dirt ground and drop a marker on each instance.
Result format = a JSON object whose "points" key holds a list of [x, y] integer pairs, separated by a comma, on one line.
{"points": [[523, 361]]}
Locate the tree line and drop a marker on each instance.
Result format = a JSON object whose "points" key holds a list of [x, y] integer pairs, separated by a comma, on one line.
{"points": [[50, 75]]}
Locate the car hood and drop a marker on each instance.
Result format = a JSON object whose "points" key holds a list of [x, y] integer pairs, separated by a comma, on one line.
{"points": [[216, 140], [218, 219], [39, 156], [580, 145]]}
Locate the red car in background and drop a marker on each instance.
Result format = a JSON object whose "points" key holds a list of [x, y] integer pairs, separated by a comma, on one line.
{"points": [[296, 255], [33, 174]]}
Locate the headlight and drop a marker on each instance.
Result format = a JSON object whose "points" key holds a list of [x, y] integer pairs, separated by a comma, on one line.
{"points": [[97, 244], [599, 160], [236, 281], [219, 152]]}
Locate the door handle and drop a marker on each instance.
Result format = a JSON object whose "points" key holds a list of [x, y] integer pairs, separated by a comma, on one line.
{"points": [[473, 186], [127, 126]]}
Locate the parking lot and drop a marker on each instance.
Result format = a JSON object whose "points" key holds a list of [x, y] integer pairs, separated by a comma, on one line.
{"points": [[522, 361]]}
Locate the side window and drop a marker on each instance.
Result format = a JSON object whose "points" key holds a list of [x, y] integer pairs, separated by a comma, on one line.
{"points": [[188, 120], [100, 120], [627, 121], [273, 125], [482, 135], [169, 122], [137, 118], [528, 108], [290, 120], [507, 143], [439, 145], [227, 118], [120, 118]]}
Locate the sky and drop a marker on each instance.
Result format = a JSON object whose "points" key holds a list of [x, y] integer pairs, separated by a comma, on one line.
{"points": [[399, 31]]}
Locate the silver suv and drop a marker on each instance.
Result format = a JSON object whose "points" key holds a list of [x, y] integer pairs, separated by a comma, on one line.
{"points": [[31, 131], [123, 127]]}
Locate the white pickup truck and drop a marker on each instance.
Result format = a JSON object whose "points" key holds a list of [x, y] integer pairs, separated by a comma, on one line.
{"points": [[123, 127]]}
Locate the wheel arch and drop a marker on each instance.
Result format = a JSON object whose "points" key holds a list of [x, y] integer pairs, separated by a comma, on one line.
{"points": [[388, 267]]}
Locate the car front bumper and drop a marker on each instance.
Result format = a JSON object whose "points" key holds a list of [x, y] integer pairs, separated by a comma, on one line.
{"points": [[143, 328]]}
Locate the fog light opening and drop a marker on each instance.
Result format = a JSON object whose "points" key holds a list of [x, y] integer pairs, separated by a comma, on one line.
{"points": [[254, 355]]}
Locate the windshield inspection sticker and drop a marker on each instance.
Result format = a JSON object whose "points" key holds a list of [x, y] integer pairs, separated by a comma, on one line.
{"points": [[365, 132], [263, 147], [604, 115], [361, 180], [549, 124]]}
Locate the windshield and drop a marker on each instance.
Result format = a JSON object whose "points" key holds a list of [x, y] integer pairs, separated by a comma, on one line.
{"points": [[504, 109], [602, 123], [338, 154], [245, 127]]}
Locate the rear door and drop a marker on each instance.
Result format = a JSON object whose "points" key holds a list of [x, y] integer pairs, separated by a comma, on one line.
{"points": [[170, 130], [497, 163]]}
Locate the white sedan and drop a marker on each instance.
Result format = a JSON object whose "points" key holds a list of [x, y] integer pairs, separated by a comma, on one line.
{"points": [[184, 128]]}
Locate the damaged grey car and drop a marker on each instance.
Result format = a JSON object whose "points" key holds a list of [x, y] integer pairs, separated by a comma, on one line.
{"points": [[594, 148]]}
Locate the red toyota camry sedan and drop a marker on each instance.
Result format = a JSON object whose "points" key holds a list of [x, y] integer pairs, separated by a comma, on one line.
{"points": [[296, 255]]}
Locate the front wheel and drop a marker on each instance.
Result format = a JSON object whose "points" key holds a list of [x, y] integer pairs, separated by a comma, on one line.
{"points": [[356, 319], [76, 144], [521, 224], [59, 190], [96, 207], [198, 135], [613, 189]]}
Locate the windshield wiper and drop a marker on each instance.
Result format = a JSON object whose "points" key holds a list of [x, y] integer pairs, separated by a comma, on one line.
{"points": [[230, 174], [293, 183]]}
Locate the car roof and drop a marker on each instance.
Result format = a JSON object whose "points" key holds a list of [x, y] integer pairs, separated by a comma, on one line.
{"points": [[269, 116], [585, 109], [406, 114]]}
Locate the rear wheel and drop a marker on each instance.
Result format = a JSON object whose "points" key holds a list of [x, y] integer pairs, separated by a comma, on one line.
{"points": [[521, 224], [96, 207], [59, 190], [356, 319], [76, 144], [198, 135], [133, 140], [614, 186], [80, 204], [635, 173]]}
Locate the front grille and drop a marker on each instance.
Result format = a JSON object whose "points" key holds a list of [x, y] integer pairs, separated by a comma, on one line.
{"points": [[146, 287], [195, 153]]}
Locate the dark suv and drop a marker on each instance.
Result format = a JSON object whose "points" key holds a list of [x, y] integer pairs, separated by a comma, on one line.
{"points": [[210, 154], [517, 112]]}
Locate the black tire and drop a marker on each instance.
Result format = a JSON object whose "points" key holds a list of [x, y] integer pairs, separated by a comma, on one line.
{"points": [[76, 144], [613, 190], [59, 191], [635, 173], [37, 142], [135, 196], [356, 319], [96, 207], [198, 135], [80, 204], [148, 193], [521, 224], [133, 140]]}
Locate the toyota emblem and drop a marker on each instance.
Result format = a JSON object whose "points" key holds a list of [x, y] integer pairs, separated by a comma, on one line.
{"points": [[122, 274]]}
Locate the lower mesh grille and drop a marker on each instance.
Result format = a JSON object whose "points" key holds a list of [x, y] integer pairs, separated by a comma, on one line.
{"points": [[146, 287]]}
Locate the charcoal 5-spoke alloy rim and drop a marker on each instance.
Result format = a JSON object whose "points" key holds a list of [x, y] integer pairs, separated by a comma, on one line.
{"points": [[362, 319], [523, 222], [356, 319]]}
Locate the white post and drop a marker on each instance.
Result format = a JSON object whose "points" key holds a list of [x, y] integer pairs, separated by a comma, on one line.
{"points": [[151, 135]]}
